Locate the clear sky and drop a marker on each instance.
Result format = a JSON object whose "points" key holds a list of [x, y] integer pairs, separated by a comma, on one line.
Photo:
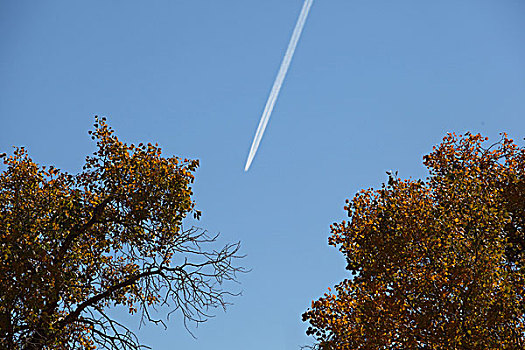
{"points": [[372, 87]]}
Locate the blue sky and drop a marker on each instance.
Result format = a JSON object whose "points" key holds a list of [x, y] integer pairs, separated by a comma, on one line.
{"points": [[372, 87]]}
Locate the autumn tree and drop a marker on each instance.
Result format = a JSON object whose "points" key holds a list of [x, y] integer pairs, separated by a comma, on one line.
{"points": [[74, 246], [435, 264]]}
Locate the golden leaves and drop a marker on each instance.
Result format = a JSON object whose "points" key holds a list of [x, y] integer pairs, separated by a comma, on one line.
{"points": [[71, 241], [436, 263]]}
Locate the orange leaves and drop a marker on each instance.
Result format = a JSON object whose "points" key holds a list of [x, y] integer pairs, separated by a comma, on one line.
{"points": [[70, 246], [436, 263]]}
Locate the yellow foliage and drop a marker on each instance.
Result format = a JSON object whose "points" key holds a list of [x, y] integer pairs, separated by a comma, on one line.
{"points": [[436, 264], [73, 245]]}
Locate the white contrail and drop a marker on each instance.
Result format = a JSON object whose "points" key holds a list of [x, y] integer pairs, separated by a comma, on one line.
{"points": [[278, 82]]}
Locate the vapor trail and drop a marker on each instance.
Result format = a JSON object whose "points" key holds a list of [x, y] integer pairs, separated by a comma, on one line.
{"points": [[272, 98]]}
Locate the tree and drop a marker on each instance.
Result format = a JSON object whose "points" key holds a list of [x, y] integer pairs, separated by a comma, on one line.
{"points": [[71, 247], [436, 264]]}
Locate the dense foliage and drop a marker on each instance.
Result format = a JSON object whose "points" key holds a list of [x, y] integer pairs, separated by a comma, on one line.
{"points": [[436, 264], [73, 246]]}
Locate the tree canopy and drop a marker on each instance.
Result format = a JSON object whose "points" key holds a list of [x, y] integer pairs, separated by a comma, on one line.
{"points": [[73, 246], [435, 264]]}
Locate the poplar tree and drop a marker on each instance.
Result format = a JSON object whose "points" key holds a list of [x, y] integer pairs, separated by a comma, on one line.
{"points": [[435, 264], [74, 246]]}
